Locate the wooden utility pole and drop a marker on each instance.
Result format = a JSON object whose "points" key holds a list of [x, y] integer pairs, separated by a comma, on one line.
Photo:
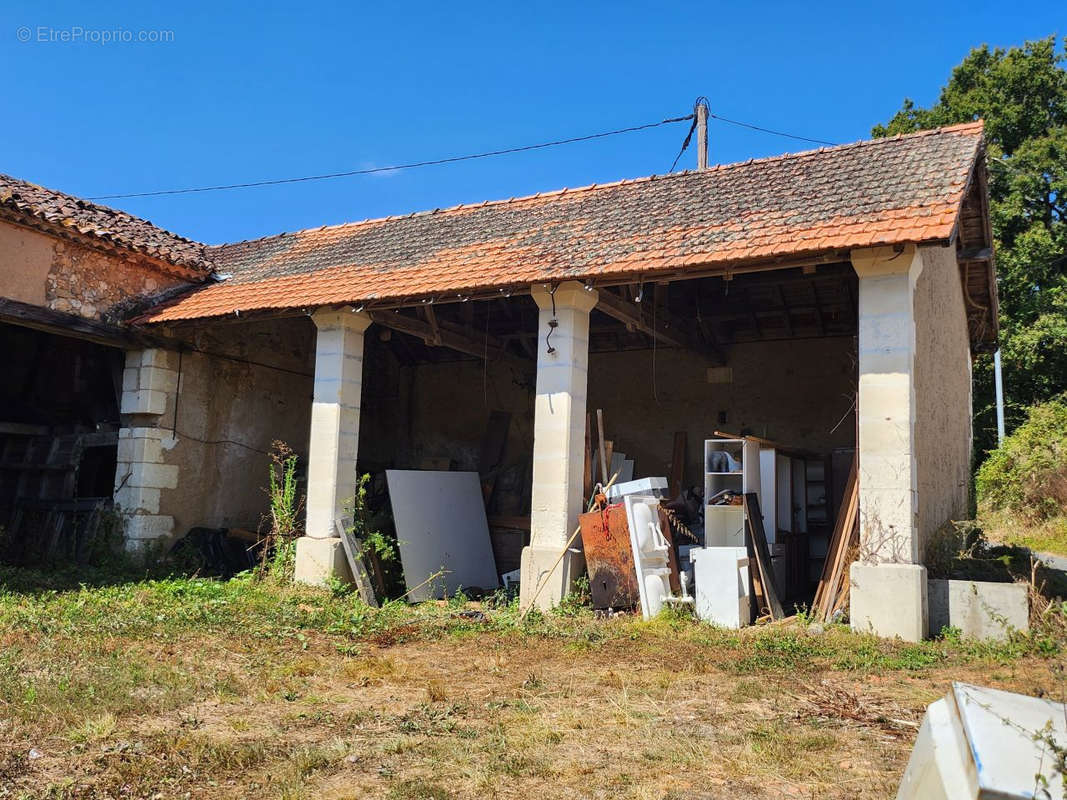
{"points": [[701, 110]]}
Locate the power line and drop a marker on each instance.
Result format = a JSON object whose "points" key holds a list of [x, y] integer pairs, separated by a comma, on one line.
{"points": [[750, 126], [412, 165], [471, 157]]}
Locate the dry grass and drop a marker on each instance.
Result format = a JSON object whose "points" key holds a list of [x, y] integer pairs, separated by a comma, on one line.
{"points": [[570, 707], [1046, 536]]}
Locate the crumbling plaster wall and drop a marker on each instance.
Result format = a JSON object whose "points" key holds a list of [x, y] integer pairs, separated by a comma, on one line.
{"points": [[942, 393], [64, 276], [205, 447], [797, 392]]}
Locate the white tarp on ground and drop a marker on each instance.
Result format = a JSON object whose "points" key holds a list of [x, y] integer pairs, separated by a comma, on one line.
{"points": [[441, 525]]}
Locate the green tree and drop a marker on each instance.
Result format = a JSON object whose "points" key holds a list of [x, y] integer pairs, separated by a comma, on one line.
{"points": [[1021, 93]]}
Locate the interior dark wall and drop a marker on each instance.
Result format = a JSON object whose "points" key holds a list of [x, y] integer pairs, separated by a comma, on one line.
{"points": [[57, 381], [54, 390]]}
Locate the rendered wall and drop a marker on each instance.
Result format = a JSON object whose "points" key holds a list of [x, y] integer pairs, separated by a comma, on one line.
{"points": [[942, 393], [64, 276], [199, 457]]}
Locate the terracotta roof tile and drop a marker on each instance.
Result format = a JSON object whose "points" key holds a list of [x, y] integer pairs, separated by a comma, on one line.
{"points": [[884, 191], [99, 222]]}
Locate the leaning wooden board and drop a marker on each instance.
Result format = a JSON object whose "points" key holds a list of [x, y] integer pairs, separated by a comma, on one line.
{"points": [[757, 538], [843, 540], [353, 548]]}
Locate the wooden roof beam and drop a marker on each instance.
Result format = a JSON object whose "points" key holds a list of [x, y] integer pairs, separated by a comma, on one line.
{"points": [[444, 334], [667, 329]]}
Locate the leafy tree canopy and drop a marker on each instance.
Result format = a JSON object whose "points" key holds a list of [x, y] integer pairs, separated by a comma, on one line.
{"points": [[1021, 93]]}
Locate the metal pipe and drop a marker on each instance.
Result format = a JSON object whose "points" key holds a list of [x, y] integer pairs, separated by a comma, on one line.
{"points": [[999, 380]]}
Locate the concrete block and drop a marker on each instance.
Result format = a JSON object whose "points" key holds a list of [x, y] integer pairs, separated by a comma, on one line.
{"points": [[138, 498], [534, 566], [157, 379], [147, 433], [889, 600], [149, 526], [980, 609], [158, 357], [147, 451], [133, 359], [130, 379], [153, 476], [144, 401], [320, 559]]}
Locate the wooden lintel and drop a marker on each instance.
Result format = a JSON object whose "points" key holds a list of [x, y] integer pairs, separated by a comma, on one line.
{"points": [[27, 315]]}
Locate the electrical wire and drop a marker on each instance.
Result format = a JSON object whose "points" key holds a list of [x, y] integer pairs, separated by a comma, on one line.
{"points": [[685, 144], [470, 157], [395, 167], [750, 126]]}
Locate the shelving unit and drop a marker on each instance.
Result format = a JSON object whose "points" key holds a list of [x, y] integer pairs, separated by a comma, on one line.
{"points": [[728, 464], [817, 510]]}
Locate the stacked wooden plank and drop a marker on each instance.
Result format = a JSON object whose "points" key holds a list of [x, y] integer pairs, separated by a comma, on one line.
{"points": [[832, 593]]}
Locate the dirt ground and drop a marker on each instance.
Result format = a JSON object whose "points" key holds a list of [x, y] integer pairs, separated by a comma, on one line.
{"points": [[615, 709]]}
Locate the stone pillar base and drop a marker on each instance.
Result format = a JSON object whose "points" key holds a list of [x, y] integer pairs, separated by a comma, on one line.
{"points": [[320, 559], [535, 564], [889, 600]]}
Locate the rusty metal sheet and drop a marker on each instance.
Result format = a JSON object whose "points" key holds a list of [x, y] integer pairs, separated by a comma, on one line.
{"points": [[609, 558]]}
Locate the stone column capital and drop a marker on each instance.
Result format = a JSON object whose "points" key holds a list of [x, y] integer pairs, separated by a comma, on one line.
{"points": [[326, 319], [568, 294], [873, 262]]}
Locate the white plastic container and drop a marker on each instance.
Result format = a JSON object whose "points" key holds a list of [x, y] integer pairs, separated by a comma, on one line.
{"points": [[722, 586], [653, 487]]}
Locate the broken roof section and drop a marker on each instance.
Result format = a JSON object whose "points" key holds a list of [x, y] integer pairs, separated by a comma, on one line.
{"points": [[95, 225], [907, 189]]}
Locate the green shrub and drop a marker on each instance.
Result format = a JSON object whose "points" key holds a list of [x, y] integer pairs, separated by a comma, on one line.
{"points": [[285, 507], [1027, 475]]}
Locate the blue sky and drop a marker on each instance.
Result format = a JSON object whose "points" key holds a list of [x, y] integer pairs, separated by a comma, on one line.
{"points": [[280, 90]]}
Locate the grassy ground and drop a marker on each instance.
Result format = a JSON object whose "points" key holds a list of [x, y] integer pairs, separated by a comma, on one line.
{"points": [[1049, 536], [202, 689]]}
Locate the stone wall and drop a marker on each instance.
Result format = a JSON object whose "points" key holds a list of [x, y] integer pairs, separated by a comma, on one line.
{"points": [[64, 276], [796, 392], [942, 393], [198, 456]]}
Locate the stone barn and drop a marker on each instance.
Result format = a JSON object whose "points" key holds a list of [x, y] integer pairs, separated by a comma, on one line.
{"points": [[830, 300]]}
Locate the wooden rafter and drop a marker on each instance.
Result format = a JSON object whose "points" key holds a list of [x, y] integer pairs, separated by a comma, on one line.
{"points": [[448, 335], [665, 328]]}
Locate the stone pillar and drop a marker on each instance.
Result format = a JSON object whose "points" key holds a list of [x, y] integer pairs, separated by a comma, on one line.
{"points": [[149, 392], [334, 442], [888, 592], [559, 440]]}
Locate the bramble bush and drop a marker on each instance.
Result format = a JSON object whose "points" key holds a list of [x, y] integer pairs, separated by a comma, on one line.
{"points": [[1027, 475]]}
